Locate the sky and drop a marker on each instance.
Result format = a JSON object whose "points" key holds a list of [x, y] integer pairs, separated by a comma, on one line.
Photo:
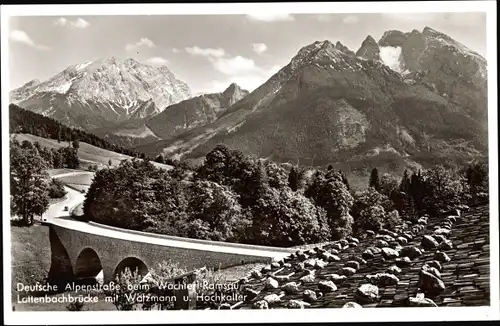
{"points": [[209, 52]]}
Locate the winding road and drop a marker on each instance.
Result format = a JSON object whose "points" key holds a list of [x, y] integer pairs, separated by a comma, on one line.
{"points": [[56, 215]]}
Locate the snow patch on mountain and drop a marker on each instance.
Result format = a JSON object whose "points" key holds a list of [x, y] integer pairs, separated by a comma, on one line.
{"points": [[391, 57]]}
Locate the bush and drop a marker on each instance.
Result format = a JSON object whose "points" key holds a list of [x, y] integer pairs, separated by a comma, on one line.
{"points": [[56, 189]]}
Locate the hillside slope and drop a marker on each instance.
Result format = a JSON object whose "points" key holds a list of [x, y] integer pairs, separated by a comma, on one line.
{"points": [[87, 153]]}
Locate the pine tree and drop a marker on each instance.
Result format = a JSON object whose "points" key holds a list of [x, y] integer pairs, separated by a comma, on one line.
{"points": [[374, 180], [293, 179]]}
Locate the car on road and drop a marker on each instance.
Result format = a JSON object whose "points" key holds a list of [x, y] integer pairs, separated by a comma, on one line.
{"points": [[66, 208]]}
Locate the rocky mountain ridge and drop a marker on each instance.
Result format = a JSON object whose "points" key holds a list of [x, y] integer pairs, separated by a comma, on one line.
{"points": [[101, 92], [411, 96]]}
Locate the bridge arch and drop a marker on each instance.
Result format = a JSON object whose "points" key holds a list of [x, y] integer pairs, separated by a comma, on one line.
{"points": [[88, 264], [134, 264]]}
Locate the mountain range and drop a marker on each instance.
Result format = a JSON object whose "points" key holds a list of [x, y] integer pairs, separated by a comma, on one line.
{"points": [[410, 97]]}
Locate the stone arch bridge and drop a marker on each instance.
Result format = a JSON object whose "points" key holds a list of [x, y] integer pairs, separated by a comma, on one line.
{"points": [[82, 250]]}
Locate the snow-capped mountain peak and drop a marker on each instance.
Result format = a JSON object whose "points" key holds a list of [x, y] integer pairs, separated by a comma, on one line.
{"points": [[108, 87]]}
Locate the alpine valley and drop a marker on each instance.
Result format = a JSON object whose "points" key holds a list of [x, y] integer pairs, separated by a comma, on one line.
{"points": [[412, 98]]}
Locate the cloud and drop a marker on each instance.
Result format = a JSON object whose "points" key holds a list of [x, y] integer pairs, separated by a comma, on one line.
{"points": [[78, 23], [20, 36], [158, 61], [206, 52], [351, 19], [143, 42], [243, 71], [259, 48], [176, 50], [270, 17]]}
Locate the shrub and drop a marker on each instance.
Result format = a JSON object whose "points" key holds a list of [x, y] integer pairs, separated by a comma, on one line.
{"points": [[56, 189]]}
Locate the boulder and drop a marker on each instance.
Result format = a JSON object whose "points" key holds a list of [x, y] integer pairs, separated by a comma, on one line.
{"points": [[383, 279], [395, 270], [291, 288], [463, 207], [262, 304], [435, 264], [309, 296], [442, 231], [348, 271], [320, 264], [370, 232], [366, 293], [428, 242], [352, 305], [310, 263], [266, 269], [336, 278], [381, 243], [352, 263], [368, 254], [271, 283], [297, 304], [403, 261], [375, 250], [411, 252], [402, 240], [385, 237], [287, 265], [344, 242], [250, 293], [310, 278], [446, 245], [272, 298], [441, 257], [334, 251], [353, 239], [329, 257], [431, 270], [388, 232], [421, 302], [327, 286], [352, 244], [389, 253], [430, 284], [275, 265]]}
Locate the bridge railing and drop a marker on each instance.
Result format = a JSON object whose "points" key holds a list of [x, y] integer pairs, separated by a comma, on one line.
{"points": [[191, 240]]}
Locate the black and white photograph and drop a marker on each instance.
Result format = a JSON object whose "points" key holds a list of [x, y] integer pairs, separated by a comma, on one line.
{"points": [[255, 158]]}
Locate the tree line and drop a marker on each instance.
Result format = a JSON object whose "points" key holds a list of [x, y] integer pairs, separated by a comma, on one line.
{"points": [[238, 198], [25, 121]]}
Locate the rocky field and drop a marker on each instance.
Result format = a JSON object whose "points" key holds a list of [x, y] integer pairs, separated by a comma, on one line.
{"points": [[437, 261]]}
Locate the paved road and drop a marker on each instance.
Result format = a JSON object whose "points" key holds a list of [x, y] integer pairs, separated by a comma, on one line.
{"points": [[57, 216]]}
